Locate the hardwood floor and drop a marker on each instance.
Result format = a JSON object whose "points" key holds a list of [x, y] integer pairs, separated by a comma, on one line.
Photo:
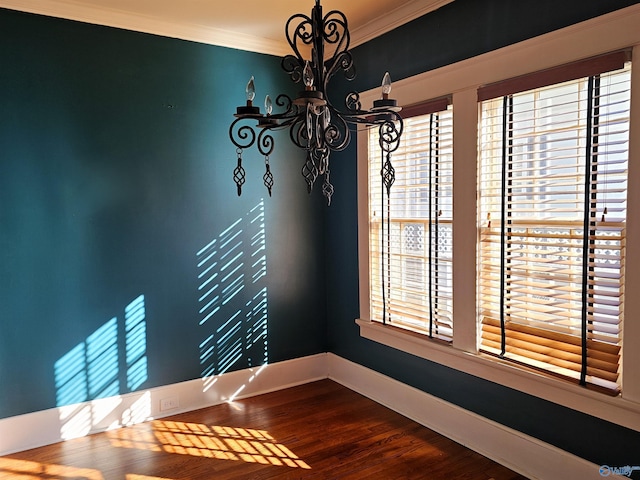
{"points": [[315, 431]]}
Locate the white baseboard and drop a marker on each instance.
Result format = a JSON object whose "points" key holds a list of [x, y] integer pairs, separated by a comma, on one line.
{"points": [[511, 448], [515, 450], [23, 432]]}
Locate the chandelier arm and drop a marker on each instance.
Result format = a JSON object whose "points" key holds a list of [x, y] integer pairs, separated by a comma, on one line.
{"points": [[354, 112], [293, 66], [372, 118], [356, 115], [284, 100], [390, 133], [290, 111], [337, 134], [282, 122], [352, 103], [298, 132], [242, 136], [266, 143], [341, 61]]}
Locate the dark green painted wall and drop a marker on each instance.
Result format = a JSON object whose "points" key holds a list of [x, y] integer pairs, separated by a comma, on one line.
{"points": [[457, 31], [115, 171]]}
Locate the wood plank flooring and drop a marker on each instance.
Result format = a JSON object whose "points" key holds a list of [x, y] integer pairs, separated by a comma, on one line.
{"points": [[316, 431]]}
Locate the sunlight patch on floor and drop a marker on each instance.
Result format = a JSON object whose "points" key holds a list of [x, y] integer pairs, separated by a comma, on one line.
{"points": [[199, 440], [27, 470], [134, 476]]}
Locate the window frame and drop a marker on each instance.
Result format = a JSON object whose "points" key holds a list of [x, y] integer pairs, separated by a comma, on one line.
{"points": [[509, 122], [611, 32], [416, 118]]}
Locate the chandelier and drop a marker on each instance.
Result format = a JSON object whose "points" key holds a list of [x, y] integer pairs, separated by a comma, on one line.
{"points": [[316, 124]]}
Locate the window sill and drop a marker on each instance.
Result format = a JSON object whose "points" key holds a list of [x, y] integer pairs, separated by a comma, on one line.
{"points": [[613, 409]]}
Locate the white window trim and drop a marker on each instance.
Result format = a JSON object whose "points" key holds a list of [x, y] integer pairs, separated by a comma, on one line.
{"points": [[601, 35]]}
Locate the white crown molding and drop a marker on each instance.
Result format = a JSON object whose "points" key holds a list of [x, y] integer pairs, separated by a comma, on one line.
{"points": [[146, 24], [596, 36], [404, 13], [75, 10]]}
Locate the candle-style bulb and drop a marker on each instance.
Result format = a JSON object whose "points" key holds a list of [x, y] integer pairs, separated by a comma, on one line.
{"points": [[268, 105], [386, 85], [307, 75], [251, 90]]}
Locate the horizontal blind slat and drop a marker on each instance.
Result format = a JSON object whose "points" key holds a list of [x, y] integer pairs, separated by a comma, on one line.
{"points": [[421, 229], [535, 265]]}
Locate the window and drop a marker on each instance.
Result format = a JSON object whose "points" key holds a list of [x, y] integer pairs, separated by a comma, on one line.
{"points": [[410, 233], [550, 136], [552, 186]]}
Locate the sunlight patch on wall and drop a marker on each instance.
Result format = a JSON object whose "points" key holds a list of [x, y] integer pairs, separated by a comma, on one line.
{"points": [[138, 412], [25, 469], [235, 394], [136, 343], [234, 331], [101, 368], [215, 442], [90, 369]]}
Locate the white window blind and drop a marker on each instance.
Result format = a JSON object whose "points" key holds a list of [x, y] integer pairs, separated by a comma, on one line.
{"points": [[410, 233], [552, 212]]}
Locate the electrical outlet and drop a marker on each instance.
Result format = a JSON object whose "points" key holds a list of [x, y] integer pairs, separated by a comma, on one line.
{"points": [[169, 403]]}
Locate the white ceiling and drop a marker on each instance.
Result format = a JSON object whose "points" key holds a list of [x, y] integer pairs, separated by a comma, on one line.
{"points": [[255, 25]]}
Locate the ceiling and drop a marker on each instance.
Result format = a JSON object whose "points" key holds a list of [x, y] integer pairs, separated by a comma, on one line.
{"points": [[254, 25]]}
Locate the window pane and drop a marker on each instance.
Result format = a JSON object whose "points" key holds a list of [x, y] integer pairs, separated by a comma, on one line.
{"points": [[544, 155], [415, 281]]}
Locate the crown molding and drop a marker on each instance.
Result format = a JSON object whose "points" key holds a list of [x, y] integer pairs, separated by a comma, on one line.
{"points": [[74, 10], [141, 23], [404, 13]]}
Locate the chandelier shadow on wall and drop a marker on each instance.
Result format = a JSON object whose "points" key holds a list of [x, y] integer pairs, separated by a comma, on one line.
{"points": [[315, 123]]}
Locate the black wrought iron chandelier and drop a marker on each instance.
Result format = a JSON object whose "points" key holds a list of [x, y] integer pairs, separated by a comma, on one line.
{"points": [[315, 123]]}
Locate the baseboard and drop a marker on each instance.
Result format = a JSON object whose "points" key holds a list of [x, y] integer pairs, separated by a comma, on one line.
{"points": [[517, 451], [23, 432], [511, 448]]}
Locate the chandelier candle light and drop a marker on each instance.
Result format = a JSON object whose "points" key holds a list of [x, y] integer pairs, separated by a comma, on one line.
{"points": [[315, 124]]}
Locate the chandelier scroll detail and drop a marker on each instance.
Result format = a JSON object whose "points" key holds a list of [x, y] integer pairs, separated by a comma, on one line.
{"points": [[316, 125]]}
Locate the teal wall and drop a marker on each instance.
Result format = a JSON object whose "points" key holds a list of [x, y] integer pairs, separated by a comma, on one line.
{"points": [[457, 31], [127, 260]]}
